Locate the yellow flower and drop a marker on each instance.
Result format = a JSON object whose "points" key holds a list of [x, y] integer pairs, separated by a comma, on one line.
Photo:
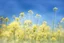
{"points": [[22, 14], [3, 25], [31, 36], [30, 12], [19, 33], [38, 16], [27, 22], [44, 24], [37, 38], [47, 28], [54, 34], [17, 19], [6, 34], [14, 24], [6, 19], [45, 34], [62, 20], [35, 27], [55, 8], [59, 31], [53, 39]]}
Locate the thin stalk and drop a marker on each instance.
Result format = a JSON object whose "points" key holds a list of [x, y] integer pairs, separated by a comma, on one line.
{"points": [[54, 25], [14, 35]]}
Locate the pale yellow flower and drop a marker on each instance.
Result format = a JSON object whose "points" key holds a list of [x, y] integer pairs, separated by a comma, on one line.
{"points": [[53, 39], [27, 22], [6, 34], [13, 25], [62, 20], [19, 33], [30, 12], [4, 26], [17, 19], [38, 16], [22, 14], [47, 28], [55, 8], [6, 19]]}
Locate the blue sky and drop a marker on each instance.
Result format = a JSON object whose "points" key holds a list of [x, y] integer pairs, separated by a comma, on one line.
{"points": [[43, 7]]}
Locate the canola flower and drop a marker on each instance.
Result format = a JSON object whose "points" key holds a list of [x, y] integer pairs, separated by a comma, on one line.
{"points": [[62, 20], [28, 22], [38, 16], [29, 32], [30, 12], [22, 14]]}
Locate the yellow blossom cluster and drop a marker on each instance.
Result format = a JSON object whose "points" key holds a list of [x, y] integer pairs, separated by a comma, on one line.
{"points": [[28, 32]]}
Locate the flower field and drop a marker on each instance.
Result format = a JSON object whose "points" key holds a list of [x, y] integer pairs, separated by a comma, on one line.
{"points": [[26, 31]]}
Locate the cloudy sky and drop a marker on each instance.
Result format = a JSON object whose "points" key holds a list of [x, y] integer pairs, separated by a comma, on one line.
{"points": [[43, 7]]}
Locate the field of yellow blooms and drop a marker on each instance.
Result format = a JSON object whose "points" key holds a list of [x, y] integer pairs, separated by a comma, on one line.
{"points": [[28, 32]]}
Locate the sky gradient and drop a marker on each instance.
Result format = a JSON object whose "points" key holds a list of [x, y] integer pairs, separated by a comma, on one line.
{"points": [[42, 7]]}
